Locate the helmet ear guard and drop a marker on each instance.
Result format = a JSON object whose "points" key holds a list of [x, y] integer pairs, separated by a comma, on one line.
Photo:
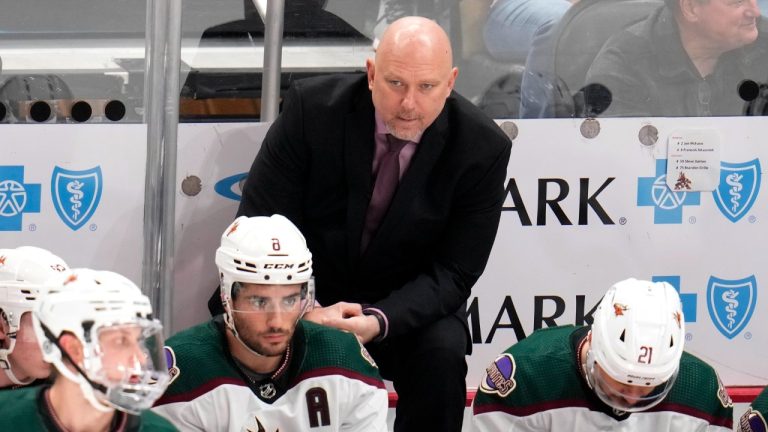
{"points": [[636, 340]]}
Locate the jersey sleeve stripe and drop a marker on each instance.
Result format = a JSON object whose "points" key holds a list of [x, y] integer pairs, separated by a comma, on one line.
{"points": [[198, 391], [326, 371]]}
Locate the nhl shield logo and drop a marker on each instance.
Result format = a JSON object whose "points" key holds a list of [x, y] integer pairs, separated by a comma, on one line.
{"points": [[76, 194], [738, 189], [731, 303]]}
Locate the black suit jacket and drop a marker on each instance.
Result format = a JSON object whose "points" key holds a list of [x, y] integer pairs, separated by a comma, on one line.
{"points": [[315, 166]]}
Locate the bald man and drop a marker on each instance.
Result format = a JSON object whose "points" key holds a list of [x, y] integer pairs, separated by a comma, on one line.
{"points": [[397, 182]]}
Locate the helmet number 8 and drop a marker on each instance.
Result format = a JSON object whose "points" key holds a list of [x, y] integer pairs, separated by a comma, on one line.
{"points": [[275, 244], [646, 355]]}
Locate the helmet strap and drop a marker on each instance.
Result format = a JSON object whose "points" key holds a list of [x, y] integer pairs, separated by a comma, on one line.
{"points": [[9, 373], [231, 327], [96, 386]]}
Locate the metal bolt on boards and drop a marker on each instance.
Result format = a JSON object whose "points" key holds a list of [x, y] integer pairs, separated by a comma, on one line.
{"points": [[590, 128], [191, 185], [509, 128], [648, 135]]}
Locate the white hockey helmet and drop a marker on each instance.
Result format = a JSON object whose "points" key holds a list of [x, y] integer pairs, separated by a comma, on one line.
{"points": [[94, 306], [264, 250], [637, 339], [23, 273]]}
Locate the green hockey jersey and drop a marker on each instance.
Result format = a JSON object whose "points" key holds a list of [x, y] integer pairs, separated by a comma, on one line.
{"points": [[536, 385], [328, 382], [753, 420], [25, 409]]}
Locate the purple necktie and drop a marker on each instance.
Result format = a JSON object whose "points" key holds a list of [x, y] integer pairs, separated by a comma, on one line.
{"points": [[386, 183]]}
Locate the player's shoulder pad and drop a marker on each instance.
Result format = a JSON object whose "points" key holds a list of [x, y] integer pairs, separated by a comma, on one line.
{"points": [[328, 347]]}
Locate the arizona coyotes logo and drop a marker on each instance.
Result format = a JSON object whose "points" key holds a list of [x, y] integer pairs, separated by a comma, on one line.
{"points": [[619, 309], [259, 427], [2, 260], [683, 182], [678, 318], [233, 228], [71, 278]]}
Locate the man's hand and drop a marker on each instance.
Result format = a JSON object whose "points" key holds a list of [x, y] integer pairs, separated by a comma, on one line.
{"points": [[339, 311], [348, 317]]}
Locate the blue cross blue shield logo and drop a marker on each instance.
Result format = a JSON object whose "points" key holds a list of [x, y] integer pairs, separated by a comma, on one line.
{"points": [[738, 189], [76, 194], [667, 204], [731, 303], [16, 197]]}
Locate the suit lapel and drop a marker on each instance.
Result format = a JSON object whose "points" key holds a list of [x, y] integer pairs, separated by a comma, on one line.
{"points": [[358, 160]]}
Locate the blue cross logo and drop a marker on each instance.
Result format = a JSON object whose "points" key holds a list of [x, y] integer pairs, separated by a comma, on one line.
{"points": [[668, 204], [687, 299], [16, 198]]}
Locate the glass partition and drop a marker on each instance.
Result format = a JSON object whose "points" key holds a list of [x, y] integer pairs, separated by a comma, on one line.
{"points": [[517, 58], [79, 61]]}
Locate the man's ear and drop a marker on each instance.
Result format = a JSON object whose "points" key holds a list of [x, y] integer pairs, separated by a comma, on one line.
{"points": [[72, 346], [689, 9], [370, 68]]}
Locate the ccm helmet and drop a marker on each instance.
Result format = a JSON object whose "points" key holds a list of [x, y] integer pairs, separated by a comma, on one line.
{"points": [[94, 306], [23, 272], [636, 339], [264, 250]]}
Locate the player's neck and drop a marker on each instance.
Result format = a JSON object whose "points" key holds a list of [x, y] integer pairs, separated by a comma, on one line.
{"points": [[72, 410]]}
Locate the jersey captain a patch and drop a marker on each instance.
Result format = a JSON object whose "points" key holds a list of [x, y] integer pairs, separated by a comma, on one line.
{"points": [[500, 376]]}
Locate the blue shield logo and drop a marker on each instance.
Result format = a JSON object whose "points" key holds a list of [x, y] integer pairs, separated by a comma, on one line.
{"points": [[76, 194], [731, 303], [738, 189]]}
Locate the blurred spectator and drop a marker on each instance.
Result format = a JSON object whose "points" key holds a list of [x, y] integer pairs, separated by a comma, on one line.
{"points": [[540, 88], [512, 24], [688, 58], [562, 52]]}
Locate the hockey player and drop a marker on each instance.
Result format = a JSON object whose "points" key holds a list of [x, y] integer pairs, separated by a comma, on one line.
{"points": [[258, 367], [627, 372], [22, 273], [96, 328], [753, 420]]}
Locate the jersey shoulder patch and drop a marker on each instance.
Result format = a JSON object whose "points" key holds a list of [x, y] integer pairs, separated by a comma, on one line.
{"points": [[499, 376], [752, 421]]}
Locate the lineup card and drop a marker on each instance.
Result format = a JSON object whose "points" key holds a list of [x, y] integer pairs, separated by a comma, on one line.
{"points": [[693, 160]]}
